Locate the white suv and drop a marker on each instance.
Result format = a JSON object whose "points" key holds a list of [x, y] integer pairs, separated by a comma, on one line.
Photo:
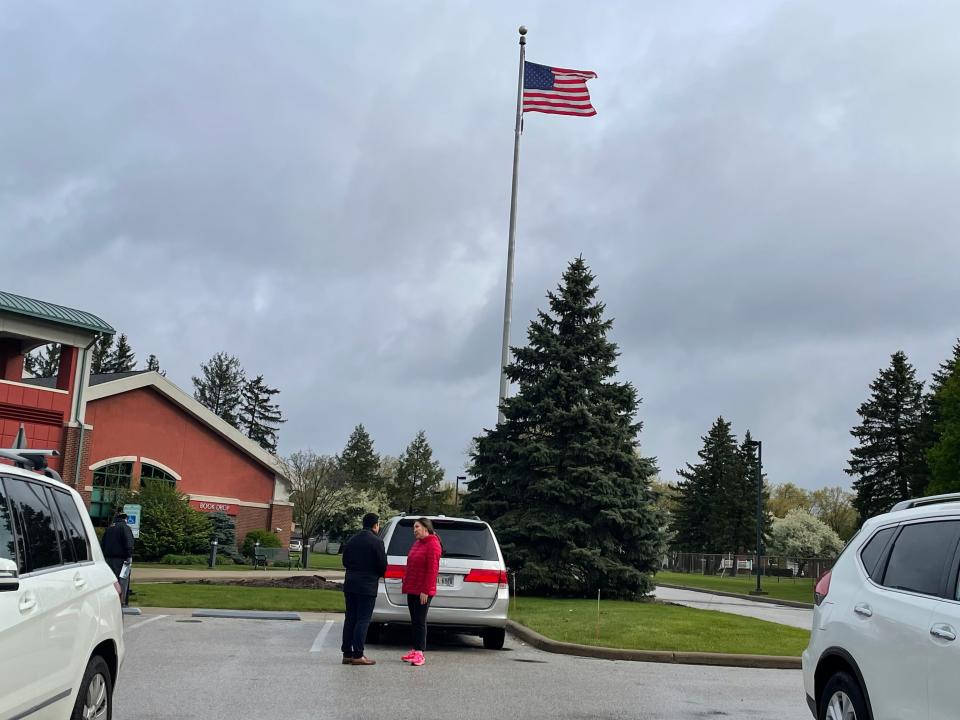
{"points": [[61, 624], [884, 643]]}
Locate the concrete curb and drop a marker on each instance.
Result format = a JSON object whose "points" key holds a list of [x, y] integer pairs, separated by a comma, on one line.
{"points": [[246, 614], [531, 637], [751, 598]]}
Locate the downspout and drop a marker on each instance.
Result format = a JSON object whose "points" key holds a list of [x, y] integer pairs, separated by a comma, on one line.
{"points": [[76, 412]]}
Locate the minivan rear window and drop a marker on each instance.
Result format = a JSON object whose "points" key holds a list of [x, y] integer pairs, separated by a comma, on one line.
{"points": [[464, 540]]}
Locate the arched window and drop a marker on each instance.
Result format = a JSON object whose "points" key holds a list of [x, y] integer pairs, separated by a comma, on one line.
{"points": [[150, 474], [107, 481]]}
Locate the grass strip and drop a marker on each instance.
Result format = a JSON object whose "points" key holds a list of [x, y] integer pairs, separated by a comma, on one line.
{"points": [[799, 590], [230, 597]]}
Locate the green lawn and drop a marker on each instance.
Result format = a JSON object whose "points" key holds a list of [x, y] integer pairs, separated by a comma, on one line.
{"points": [[229, 597], [322, 561], [318, 561], [800, 590], [657, 626]]}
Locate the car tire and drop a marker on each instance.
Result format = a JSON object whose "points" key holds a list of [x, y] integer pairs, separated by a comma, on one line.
{"points": [[841, 694], [493, 638], [96, 691], [374, 632]]}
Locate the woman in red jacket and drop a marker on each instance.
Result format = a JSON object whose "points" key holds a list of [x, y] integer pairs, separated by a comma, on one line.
{"points": [[420, 583]]}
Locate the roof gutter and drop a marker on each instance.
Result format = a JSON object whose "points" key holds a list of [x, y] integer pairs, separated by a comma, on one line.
{"points": [[76, 411]]}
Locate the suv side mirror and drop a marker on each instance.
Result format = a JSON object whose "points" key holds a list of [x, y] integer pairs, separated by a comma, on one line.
{"points": [[9, 576]]}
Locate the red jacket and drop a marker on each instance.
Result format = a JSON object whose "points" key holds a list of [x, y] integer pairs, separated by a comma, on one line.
{"points": [[423, 565]]}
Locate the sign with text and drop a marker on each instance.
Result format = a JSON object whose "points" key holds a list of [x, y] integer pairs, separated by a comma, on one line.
{"points": [[209, 506], [133, 518]]}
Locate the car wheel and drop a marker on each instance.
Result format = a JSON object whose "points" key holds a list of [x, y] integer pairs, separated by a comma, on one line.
{"points": [[842, 699], [374, 632], [493, 638], [95, 699]]}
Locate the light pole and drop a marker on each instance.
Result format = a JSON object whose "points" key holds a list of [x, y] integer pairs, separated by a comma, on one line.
{"points": [[759, 445], [456, 495]]}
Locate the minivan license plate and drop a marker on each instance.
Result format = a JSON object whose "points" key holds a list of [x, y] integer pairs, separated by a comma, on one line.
{"points": [[444, 580]]}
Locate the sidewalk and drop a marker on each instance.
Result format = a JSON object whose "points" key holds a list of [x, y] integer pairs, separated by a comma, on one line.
{"points": [[782, 614], [193, 573]]}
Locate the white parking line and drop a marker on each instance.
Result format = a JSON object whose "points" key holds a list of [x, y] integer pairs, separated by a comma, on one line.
{"points": [[144, 622], [321, 636]]}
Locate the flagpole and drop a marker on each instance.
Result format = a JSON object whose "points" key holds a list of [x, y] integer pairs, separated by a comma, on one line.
{"points": [[511, 244]]}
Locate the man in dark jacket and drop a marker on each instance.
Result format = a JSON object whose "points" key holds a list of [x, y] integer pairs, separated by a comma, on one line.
{"points": [[118, 544], [365, 560]]}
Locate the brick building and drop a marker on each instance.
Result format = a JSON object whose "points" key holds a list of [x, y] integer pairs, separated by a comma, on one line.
{"points": [[115, 430]]}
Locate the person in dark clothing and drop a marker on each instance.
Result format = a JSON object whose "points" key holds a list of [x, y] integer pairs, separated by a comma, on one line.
{"points": [[365, 560], [118, 544]]}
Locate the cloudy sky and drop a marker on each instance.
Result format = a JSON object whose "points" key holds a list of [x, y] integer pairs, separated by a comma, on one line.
{"points": [[768, 197]]}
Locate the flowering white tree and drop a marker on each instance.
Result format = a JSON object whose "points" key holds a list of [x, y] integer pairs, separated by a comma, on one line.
{"points": [[801, 536]]}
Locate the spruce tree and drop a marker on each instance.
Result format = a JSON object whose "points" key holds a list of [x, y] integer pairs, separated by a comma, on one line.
{"points": [[359, 460], [944, 456], [100, 362], [741, 502], [221, 387], [889, 462], [416, 483], [153, 364], [706, 493], [561, 478], [121, 358], [259, 417], [45, 363]]}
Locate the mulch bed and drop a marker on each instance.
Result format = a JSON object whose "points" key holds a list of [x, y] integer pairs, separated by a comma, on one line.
{"points": [[299, 582]]}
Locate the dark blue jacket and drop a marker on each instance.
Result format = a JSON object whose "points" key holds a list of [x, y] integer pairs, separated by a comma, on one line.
{"points": [[365, 560]]}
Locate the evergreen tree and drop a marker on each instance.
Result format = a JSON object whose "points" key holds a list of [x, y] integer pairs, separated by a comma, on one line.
{"points": [[701, 523], [102, 351], [359, 460], [259, 417], [561, 477], [889, 462], [944, 456], [121, 358], [932, 412], [45, 363], [416, 483], [153, 364], [221, 387], [741, 501]]}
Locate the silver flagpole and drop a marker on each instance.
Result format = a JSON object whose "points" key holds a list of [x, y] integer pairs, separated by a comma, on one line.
{"points": [[508, 299]]}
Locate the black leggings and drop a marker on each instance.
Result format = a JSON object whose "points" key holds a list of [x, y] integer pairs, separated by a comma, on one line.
{"points": [[418, 619]]}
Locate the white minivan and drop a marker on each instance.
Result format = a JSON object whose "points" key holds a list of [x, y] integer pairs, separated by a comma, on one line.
{"points": [[61, 623]]}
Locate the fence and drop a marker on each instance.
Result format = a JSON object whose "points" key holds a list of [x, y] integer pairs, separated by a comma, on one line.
{"points": [[743, 564]]}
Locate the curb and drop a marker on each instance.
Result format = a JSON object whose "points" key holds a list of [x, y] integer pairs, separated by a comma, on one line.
{"points": [[739, 596], [769, 662], [246, 614]]}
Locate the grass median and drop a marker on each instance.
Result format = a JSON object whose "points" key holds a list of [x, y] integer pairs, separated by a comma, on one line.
{"points": [[230, 597], [657, 626], [799, 589], [317, 561]]}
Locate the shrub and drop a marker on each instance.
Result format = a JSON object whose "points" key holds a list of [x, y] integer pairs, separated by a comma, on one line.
{"points": [[169, 526], [224, 528], [194, 560], [266, 538]]}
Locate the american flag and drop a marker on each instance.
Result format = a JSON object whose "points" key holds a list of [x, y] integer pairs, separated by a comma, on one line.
{"points": [[557, 91]]}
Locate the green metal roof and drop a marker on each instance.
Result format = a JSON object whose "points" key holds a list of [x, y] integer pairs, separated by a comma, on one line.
{"points": [[57, 314]]}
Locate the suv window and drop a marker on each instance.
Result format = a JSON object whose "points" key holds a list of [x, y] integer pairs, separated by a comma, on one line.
{"points": [[76, 535], [8, 551], [467, 540], [920, 555], [873, 552], [36, 524]]}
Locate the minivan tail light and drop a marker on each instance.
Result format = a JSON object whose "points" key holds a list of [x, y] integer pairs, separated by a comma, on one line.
{"points": [[822, 588], [395, 572], [498, 577]]}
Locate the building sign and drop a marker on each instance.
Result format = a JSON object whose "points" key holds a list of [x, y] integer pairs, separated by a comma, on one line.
{"points": [[133, 518], [209, 506]]}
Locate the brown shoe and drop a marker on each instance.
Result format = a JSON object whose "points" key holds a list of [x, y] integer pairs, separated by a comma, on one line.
{"points": [[348, 659], [363, 661]]}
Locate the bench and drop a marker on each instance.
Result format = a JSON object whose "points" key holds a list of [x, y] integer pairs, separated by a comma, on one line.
{"points": [[275, 556]]}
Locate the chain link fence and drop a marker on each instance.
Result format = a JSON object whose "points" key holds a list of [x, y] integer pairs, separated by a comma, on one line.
{"points": [[733, 564]]}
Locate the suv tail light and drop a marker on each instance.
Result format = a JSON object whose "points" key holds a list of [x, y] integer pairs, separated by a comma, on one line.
{"points": [[118, 588], [822, 588], [395, 572], [487, 576]]}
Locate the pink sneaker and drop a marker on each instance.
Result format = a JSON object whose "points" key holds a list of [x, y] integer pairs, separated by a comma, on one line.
{"points": [[409, 656], [417, 660]]}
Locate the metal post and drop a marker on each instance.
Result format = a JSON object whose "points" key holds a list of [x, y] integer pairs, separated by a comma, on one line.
{"points": [[758, 591], [456, 496], [508, 297], [213, 553]]}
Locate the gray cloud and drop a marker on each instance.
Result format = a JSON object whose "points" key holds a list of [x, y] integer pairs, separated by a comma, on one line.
{"points": [[766, 197]]}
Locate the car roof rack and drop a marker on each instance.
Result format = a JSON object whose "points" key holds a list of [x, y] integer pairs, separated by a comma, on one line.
{"points": [[35, 460], [922, 501]]}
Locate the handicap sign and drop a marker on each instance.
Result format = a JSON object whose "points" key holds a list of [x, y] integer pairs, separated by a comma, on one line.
{"points": [[133, 518]]}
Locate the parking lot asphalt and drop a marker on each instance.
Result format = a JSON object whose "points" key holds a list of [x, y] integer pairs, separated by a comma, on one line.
{"points": [[179, 667], [783, 614]]}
